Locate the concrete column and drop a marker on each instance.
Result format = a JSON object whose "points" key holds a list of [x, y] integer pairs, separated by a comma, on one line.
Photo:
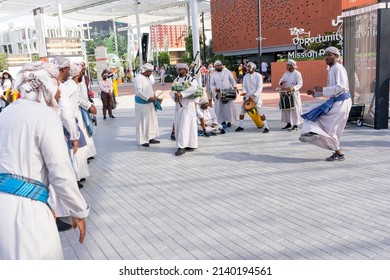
{"points": [[60, 22], [195, 37], [141, 59]]}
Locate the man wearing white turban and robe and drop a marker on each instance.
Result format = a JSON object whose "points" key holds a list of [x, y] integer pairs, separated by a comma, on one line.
{"points": [[146, 124], [34, 155], [186, 130], [291, 82], [324, 125], [74, 94]]}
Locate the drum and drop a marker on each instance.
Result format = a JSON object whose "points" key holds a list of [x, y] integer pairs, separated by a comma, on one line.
{"points": [[159, 94], [287, 101], [249, 105], [229, 94]]}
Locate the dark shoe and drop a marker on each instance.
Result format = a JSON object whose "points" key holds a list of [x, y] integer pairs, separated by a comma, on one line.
{"points": [[294, 128], [287, 126], [239, 129], [62, 226], [145, 145], [154, 141], [188, 149], [173, 138], [80, 185], [112, 117], [311, 136], [223, 123], [82, 180], [180, 152], [222, 131], [88, 162], [90, 159], [104, 118], [266, 130], [229, 124], [335, 156]]}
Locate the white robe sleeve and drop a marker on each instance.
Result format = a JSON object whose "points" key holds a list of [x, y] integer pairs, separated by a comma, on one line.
{"points": [[259, 85], [298, 81], [67, 115], [140, 85], [50, 141], [338, 81]]}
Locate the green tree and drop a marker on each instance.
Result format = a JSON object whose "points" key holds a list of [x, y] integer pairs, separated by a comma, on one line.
{"points": [[3, 61], [163, 58]]}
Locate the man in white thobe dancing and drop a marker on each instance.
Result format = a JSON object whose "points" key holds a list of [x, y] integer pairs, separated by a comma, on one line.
{"points": [[223, 79], [30, 163], [146, 124], [252, 86], [323, 125], [182, 90], [291, 82]]}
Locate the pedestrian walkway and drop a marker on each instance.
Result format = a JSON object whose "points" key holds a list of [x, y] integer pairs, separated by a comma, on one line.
{"points": [[244, 195]]}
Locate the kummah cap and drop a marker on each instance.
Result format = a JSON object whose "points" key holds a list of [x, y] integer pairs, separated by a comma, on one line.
{"points": [[182, 66], [75, 69], [251, 65], [203, 101], [333, 50], [217, 63], [293, 63], [146, 67], [60, 62]]}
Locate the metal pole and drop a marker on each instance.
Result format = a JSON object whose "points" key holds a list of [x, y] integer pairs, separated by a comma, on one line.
{"points": [[61, 24], [129, 47], [139, 35], [115, 35], [195, 35], [204, 39], [156, 45], [259, 29]]}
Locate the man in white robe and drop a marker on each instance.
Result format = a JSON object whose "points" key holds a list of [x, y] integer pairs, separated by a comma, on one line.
{"points": [[223, 79], [80, 158], [28, 229], [325, 129], [290, 83], [208, 119], [252, 87], [146, 124], [186, 130]]}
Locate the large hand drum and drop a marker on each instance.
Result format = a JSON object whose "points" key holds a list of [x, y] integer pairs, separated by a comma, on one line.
{"points": [[250, 107], [229, 94], [159, 94], [287, 101]]}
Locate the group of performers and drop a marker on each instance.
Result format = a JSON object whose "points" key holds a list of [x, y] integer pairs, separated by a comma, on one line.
{"points": [[322, 126]]}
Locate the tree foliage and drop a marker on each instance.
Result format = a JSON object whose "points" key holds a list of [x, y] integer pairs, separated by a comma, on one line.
{"points": [[3, 61], [163, 58]]}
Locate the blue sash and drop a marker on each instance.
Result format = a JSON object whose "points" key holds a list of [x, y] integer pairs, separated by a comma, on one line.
{"points": [[139, 100], [22, 186], [323, 109], [87, 120]]}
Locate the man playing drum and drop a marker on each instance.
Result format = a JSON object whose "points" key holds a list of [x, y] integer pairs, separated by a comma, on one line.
{"points": [[252, 86], [222, 80], [290, 83]]}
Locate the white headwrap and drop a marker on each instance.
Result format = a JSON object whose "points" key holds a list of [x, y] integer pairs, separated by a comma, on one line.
{"points": [[60, 62], [217, 63], [37, 81], [251, 65], [333, 50], [146, 67], [182, 66], [293, 63], [203, 101], [75, 69]]}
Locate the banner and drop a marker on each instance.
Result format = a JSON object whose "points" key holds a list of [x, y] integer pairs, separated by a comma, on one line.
{"points": [[347, 4]]}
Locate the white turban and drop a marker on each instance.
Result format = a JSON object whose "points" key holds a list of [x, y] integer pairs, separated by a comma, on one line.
{"points": [[333, 50], [217, 63], [251, 65], [75, 69], [60, 62], [182, 66], [146, 67], [293, 63], [203, 101], [37, 81]]}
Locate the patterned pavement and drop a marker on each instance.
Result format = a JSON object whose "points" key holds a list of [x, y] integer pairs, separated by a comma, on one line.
{"points": [[244, 195]]}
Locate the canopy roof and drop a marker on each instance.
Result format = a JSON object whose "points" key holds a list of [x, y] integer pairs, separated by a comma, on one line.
{"points": [[151, 12]]}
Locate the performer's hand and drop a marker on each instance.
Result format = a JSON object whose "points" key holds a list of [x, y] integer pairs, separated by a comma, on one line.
{"points": [[93, 110], [290, 89], [152, 99], [79, 223], [243, 94], [317, 88], [250, 98], [75, 144], [310, 92], [178, 95]]}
